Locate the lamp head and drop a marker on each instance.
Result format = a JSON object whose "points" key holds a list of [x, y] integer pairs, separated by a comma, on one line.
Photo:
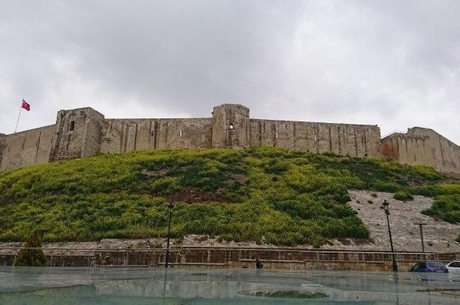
{"points": [[385, 205]]}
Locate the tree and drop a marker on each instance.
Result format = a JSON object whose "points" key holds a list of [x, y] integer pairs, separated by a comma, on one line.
{"points": [[31, 253]]}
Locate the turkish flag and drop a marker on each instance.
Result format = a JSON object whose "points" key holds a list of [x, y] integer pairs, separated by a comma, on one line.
{"points": [[25, 105]]}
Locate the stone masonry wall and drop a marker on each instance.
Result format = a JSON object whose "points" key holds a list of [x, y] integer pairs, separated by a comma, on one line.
{"points": [[272, 258], [77, 134], [84, 132], [122, 135], [230, 126], [342, 139], [422, 146], [27, 148], [93, 136]]}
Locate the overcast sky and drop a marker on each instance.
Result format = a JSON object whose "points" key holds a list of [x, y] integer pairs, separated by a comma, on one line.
{"points": [[395, 64]]}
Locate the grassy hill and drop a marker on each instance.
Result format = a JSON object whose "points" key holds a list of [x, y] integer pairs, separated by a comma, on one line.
{"points": [[279, 196]]}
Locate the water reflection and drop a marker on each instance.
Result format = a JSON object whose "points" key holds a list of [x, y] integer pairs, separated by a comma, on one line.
{"points": [[228, 286]]}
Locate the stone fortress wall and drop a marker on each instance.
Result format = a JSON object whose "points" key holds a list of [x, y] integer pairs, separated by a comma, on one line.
{"points": [[422, 146], [84, 132], [26, 148]]}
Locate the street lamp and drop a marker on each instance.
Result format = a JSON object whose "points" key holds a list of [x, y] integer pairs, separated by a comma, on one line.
{"points": [[170, 207], [421, 224], [385, 205]]}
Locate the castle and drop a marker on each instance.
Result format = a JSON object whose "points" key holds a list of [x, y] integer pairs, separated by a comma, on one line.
{"points": [[84, 132]]}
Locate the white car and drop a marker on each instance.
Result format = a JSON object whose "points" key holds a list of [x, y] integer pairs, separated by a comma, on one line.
{"points": [[453, 266]]}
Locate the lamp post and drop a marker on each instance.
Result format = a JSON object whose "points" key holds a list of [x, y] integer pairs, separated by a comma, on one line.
{"points": [[170, 207], [421, 224], [385, 205]]}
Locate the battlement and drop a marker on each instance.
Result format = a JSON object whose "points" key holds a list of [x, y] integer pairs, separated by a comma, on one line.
{"points": [[84, 132]]}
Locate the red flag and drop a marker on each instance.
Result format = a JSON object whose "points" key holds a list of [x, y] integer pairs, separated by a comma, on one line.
{"points": [[25, 105]]}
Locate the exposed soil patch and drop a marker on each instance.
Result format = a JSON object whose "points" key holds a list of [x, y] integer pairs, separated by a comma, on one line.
{"points": [[195, 195]]}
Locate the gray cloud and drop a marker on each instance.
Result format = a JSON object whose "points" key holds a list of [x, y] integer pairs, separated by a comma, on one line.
{"points": [[392, 63]]}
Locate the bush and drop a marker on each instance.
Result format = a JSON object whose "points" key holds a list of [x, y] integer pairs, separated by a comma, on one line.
{"points": [[387, 186], [445, 207], [31, 253], [403, 196]]}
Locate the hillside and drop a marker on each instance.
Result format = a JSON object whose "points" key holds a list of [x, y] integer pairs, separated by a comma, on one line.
{"points": [[262, 195]]}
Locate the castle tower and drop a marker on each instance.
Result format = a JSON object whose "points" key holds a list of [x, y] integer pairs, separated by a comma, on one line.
{"points": [[77, 134], [230, 126]]}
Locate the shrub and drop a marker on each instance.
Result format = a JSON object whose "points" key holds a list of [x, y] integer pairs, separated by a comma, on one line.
{"points": [[403, 195], [427, 172], [387, 186], [31, 253], [445, 207]]}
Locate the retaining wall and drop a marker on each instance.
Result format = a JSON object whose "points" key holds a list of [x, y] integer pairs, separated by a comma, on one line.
{"points": [[294, 259]]}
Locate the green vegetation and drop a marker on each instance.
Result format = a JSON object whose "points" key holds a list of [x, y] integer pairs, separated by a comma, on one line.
{"points": [[287, 294], [446, 205], [258, 194], [403, 195], [31, 254]]}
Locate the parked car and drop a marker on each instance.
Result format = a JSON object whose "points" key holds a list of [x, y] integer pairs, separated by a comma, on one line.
{"points": [[453, 266], [429, 266]]}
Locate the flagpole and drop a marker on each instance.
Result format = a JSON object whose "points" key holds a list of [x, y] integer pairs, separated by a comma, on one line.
{"points": [[17, 122]]}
